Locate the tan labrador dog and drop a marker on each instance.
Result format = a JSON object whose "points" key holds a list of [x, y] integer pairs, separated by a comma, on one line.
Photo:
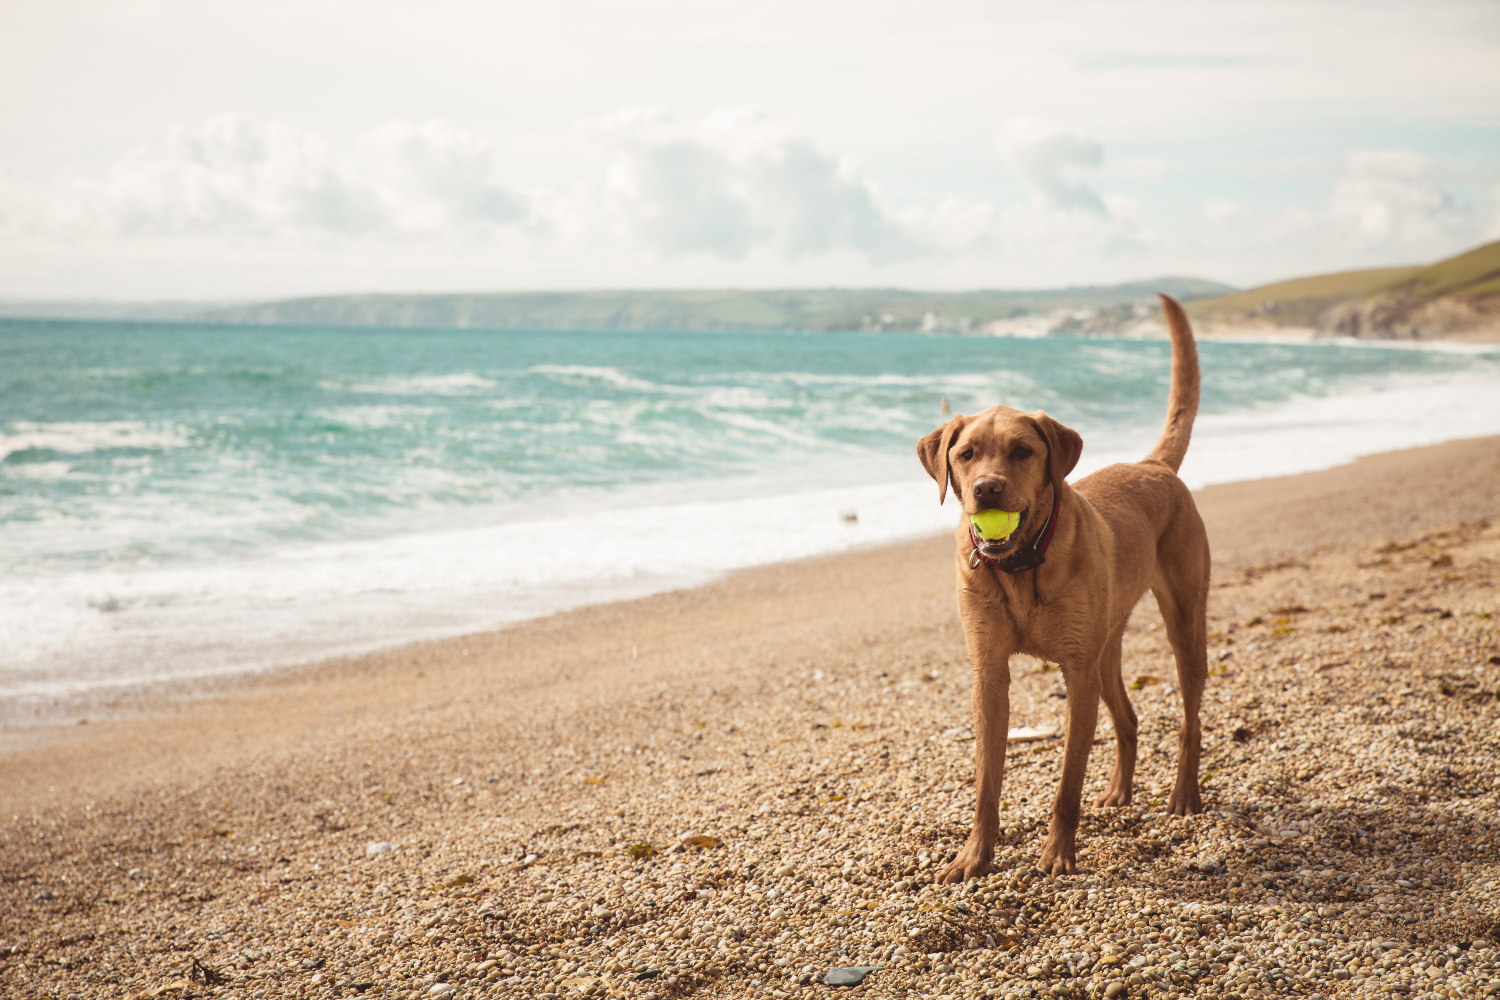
{"points": [[1062, 587]]}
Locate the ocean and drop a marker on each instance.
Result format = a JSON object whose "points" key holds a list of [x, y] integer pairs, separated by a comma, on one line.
{"points": [[179, 501]]}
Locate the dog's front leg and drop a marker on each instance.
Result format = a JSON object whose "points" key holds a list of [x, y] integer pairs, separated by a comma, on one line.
{"points": [[1059, 851], [991, 729]]}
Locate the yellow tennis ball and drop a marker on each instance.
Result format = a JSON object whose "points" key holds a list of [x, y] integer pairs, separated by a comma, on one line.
{"points": [[996, 525]]}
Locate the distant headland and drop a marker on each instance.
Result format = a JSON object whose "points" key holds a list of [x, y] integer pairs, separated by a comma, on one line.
{"points": [[1457, 298], [1454, 299]]}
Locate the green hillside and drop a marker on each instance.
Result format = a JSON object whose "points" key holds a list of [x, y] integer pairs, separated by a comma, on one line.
{"points": [[1470, 274], [1322, 301], [1300, 301]]}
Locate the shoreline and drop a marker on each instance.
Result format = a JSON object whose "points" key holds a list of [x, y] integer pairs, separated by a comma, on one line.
{"points": [[210, 597], [34, 716], [462, 811]]}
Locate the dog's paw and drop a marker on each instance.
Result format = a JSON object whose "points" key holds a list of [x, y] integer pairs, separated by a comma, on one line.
{"points": [[969, 864], [1185, 803], [1113, 797], [1059, 856]]}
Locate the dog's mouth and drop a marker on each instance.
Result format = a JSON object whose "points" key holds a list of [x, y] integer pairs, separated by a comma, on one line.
{"points": [[995, 548]]}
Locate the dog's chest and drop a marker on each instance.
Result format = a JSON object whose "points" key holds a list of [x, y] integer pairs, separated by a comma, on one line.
{"points": [[1014, 612]]}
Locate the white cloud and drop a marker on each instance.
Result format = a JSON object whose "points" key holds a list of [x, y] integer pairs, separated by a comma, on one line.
{"points": [[736, 182], [1389, 204], [1398, 198], [231, 177], [638, 190], [432, 176], [1042, 154], [1067, 218], [226, 176], [1383, 207], [642, 198]]}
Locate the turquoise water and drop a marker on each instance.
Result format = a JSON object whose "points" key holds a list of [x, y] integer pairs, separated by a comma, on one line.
{"points": [[165, 481]]}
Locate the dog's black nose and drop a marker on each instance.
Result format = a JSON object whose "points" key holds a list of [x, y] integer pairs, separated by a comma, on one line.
{"points": [[988, 489]]}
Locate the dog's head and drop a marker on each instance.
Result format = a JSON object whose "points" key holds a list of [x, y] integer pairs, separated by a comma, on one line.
{"points": [[1001, 459]]}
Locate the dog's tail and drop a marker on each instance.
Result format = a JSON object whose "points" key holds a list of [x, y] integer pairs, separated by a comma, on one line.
{"points": [[1182, 403]]}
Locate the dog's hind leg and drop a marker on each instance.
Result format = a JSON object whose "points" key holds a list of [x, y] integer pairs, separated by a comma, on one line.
{"points": [[1112, 687], [1183, 603]]}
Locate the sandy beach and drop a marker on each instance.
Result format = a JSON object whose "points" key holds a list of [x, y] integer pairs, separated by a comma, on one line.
{"points": [[731, 790]]}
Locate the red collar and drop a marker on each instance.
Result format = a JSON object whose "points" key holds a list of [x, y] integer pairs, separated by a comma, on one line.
{"points": [[1030, 557]]}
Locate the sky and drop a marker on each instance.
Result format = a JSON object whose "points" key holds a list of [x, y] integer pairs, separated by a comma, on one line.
{"points": [[234, 150]]}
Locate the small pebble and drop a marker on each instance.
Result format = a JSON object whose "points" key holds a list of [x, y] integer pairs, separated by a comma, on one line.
{"points": [[849, 976]]}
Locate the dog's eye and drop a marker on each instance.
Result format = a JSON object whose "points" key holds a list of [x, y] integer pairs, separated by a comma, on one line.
{"points": [[968, 453], [1021, 454]]}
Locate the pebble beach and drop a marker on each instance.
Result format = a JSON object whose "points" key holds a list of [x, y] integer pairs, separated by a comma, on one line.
{"points": [[742, 789]]}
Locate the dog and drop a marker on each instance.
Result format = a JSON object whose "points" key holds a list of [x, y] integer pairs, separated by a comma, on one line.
{"points": [[1062, 585]]}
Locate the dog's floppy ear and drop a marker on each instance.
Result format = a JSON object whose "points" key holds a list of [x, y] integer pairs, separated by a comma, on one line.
{"points": [[933, 451], [1064, 445]]}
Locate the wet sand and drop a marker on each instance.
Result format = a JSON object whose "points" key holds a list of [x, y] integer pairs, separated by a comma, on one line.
{"points": [[812, 718]]}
